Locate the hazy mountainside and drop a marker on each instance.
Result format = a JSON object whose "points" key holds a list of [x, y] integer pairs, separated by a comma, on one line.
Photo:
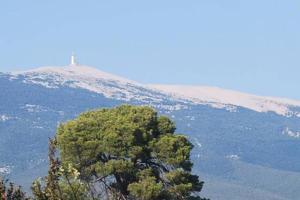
{"points": [[218, 97], [246, 146]]}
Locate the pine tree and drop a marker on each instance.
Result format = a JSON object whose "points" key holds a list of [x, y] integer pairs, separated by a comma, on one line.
{"points": [[129, 152]]}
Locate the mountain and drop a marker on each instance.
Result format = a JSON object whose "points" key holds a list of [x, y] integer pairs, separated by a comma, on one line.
{"points": [[246, 146], [96, 81]]}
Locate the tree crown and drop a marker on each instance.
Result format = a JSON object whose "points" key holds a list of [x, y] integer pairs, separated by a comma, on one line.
{"points": [[131, 152]]}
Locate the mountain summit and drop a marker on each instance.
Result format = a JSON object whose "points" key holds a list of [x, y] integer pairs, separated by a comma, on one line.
{"points": [[88, 78], [244, 144], [112, 86]]}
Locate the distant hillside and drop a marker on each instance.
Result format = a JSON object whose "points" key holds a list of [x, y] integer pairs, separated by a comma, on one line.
{"points": [[246, 146]]}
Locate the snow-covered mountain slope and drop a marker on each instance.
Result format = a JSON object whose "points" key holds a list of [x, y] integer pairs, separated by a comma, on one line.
{"points": [[115, 87], [218, 97], [78, 72], [94, 80]]}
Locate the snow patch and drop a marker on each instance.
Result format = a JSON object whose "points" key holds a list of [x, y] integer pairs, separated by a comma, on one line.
{"points": [[34, 108], [4, 118], [5, 170], [287, 131], [198, 143], [233, 157]]}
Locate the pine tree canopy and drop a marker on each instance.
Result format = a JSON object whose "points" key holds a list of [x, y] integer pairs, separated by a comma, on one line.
{"points": [[129, 152]]}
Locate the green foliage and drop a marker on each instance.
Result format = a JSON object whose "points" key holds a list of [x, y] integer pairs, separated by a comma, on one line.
{"points": [[182, 182], [147, 188], [61, 183], [165, 125], [11, 192], [173, 150], [130, 153]]}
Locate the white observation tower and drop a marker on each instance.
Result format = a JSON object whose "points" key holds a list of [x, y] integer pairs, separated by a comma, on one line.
{"points": [[73, 60]]}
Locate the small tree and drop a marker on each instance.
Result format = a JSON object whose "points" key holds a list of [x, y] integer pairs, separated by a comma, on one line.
{"points": [[10, 191], [61, 183], [128, 152]]}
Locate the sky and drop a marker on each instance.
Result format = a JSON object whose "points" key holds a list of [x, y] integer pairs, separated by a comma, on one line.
{"points": [[249, 46]]}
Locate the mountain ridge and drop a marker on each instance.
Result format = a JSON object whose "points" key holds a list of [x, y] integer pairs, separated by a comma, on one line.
{"points": [[210, 95], [89, 78], [232, 144]]}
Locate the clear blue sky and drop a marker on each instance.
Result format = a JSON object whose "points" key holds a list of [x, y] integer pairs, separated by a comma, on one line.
{"points": [[251, 46]]}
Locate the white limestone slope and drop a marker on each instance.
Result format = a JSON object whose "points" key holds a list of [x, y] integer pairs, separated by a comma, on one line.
{"points": [[218, 97], [74, 72], [111, 86], [92, 79]]}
